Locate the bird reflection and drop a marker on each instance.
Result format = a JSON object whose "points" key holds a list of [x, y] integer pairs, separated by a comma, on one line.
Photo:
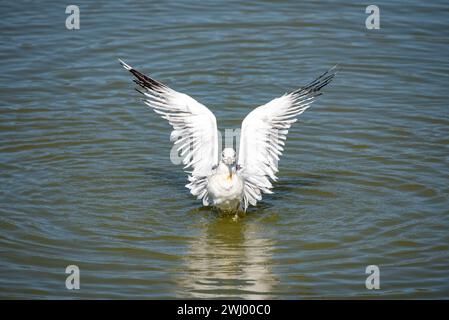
{"points": [[229, 259]]}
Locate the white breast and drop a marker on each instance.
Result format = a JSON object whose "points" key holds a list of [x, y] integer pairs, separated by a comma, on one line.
{"points": [[225, 191]]}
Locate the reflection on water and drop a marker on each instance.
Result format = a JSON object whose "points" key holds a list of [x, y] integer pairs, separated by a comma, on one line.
{"points": [[229, 259]]}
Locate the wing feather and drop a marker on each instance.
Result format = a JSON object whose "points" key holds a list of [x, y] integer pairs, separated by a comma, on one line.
{"points": [[194, 129], [264, 131]]}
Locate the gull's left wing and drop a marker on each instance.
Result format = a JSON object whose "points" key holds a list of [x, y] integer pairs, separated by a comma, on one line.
{"points": [[194, 129], [264, 131]]}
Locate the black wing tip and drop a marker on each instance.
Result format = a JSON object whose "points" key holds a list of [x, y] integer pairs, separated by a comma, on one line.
{"points": [[125, 65], [329, 73], [320, 82], [143, 80]]}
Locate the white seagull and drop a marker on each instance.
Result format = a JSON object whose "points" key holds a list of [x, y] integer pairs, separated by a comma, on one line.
{"points": [[229, 183]]}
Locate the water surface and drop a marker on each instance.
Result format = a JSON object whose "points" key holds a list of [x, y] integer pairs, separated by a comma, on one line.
{"points": [[85, 176]]}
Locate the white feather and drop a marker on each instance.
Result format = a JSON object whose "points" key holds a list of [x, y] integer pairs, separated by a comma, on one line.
{"points": [[194, 129], [263, 133]]}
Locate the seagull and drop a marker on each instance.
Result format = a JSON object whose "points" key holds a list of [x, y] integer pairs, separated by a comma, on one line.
{"points": [[226, 181]]}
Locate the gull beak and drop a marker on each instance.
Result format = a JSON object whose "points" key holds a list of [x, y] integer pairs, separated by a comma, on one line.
{"points": [[230, 172]]}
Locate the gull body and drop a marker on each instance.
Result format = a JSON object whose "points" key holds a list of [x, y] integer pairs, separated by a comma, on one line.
{"points": [[227, 181], [225, 185]]}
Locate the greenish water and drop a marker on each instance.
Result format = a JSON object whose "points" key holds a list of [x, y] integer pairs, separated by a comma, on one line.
{"points": [[85, 176]]}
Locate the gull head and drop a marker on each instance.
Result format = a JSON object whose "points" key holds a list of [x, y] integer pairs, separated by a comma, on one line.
{"points": [[228, 156]]}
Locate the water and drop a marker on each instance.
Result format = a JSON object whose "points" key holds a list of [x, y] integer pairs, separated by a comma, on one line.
{"points": [[85, 176]]}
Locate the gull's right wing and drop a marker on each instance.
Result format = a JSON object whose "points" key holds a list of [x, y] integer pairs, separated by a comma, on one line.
{"points": [[194, 128]]}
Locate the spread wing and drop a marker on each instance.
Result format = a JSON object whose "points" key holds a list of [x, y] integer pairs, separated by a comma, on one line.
{"points": [[263, 135], [194, 128]]}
